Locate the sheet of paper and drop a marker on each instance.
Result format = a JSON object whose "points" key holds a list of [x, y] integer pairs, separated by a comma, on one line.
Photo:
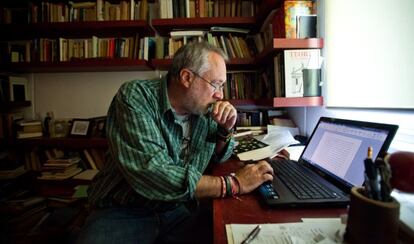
{"points": [[322, 231], [278, 138], [406, 201]]}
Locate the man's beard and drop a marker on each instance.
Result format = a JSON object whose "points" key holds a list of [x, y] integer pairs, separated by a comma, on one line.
{"points": [[193, 105]]}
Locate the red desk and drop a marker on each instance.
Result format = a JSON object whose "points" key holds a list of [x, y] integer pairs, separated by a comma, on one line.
{"points": [[252, 210]]}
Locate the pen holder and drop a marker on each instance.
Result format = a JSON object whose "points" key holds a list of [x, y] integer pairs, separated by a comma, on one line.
{"points": [[371, 221]]}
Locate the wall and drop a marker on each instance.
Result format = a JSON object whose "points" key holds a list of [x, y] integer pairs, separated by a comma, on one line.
{"points": [[78, 95], [355, 86]]}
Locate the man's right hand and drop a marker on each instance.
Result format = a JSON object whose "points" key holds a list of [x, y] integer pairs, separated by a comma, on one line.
{"points": [[252, 176]]}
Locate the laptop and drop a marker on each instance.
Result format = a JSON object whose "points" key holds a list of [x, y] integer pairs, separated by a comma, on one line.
{"points": [[333, 158]]}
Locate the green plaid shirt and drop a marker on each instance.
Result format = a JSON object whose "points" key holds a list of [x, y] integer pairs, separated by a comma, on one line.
{"points": [[143, 164]]}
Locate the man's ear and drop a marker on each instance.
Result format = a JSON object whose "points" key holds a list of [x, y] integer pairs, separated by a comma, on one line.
{"points": [[185, 77]]}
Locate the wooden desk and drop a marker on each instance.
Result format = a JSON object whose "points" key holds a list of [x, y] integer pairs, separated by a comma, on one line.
{"points": [[252, 210]]}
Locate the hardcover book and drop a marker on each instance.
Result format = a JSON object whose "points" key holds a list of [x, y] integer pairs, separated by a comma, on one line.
{"points": [[295, 62]]}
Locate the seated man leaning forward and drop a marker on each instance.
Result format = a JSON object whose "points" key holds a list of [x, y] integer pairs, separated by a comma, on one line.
{"points": [[162, 134]]}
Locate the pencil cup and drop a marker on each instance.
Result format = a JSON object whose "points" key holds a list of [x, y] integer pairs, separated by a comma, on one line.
{"points": [[371, 221]]}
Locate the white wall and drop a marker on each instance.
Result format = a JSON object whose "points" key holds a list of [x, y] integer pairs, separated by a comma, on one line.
{"points": [[348, 46], [78, 95], [369, 53]]}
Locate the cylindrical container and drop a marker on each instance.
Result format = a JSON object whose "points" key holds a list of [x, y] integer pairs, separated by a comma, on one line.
{"points": [[371, 221], [311, 80]]}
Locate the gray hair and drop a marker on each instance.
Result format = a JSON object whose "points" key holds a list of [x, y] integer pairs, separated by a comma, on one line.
{"points": [[193, 56]]}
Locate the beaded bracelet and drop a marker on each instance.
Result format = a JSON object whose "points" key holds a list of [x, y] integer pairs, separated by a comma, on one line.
{"points": [[233, 176], [223, 187]]}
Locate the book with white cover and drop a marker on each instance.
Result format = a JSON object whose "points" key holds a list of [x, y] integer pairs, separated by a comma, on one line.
{"points": [[295, 62]]}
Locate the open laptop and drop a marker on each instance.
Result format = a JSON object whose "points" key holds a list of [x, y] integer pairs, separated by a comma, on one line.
{"points": [[333, 157]]}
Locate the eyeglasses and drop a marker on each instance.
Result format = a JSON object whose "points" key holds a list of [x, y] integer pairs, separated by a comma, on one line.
{"points": [[215, 86]]}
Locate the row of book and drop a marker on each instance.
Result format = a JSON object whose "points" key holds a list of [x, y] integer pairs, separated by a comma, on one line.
{"points": [[73, 11], [62, 49], [206, 8], [233, 43], [246, 85]]}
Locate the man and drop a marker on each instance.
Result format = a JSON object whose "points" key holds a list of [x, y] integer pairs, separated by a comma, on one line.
{"points": [[162, 134]]}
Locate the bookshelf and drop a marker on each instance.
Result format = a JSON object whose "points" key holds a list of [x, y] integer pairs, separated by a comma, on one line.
{"points": [[8, 106]]}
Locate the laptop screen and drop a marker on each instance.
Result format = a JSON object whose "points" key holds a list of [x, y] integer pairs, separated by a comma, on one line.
{"points": [[339, 149]]}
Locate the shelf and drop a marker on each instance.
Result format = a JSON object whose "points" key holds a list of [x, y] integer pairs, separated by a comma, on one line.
{"points": [[280, 44], [165, 26], [7, 106], [76, 29], [232, 64], [75, 143], [283, 102], [81, 65]]}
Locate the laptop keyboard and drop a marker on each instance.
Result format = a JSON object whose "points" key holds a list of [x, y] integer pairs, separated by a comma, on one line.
{"points": [[303, 186]]}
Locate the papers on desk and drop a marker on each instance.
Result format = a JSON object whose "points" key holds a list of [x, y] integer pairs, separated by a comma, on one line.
{"points": [[406, 201], [309, 231]]}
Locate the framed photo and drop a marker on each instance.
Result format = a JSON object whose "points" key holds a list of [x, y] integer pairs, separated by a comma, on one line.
{"points": [[18, 88], [80, 127], [98, 129], [59, 128]]}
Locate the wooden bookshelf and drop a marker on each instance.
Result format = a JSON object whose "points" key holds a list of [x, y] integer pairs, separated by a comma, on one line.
{"points": [[69, 143], [280, 44], [232, 64], [76, 29], [7, 106], [279, 102], [82, 65], [283, 102]]}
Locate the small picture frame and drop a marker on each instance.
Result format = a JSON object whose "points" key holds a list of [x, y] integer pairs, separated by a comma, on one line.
{"points": [[18, 88], [80, 127], [59, 128], [98, 127]]}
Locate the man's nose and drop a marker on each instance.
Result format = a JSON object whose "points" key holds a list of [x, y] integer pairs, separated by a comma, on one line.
{"points": [[219, 94]]}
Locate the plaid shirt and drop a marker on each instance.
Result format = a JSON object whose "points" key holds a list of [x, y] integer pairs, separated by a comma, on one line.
{"points": [[143, 164]]}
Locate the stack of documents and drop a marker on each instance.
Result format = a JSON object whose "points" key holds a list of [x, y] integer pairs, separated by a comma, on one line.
{"points": [[318, 230]]}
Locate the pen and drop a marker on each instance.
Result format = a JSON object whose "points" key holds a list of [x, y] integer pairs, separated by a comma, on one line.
{"points": [[252, 235]]}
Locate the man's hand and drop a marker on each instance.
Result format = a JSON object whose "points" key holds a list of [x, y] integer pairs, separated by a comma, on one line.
{"points": [[224, 114], [252, 176]]}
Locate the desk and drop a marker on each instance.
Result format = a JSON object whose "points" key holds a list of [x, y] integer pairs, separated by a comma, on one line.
{"points": [[252, 210]]}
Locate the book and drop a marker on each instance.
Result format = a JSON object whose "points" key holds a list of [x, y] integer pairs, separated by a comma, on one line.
{"points": [[306, 26], [86, 175], [187, 33], [89, 159], [292, 9], [251, 149], [22, 135], [295, 62]]}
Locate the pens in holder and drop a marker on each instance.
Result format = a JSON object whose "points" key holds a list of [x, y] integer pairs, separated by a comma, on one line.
{"points": [[252, 235], [372, 186], [385, 176]]}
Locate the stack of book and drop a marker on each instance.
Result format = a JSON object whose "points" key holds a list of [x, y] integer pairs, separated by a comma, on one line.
{"points": [[60, 169], [29, 129]]}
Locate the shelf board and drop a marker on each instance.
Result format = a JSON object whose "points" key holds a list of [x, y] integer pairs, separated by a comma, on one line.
{"points": [[280, 44], [7, 106], [232, 64], [82, 65], [283, 102], [76, 29], [278, 102], [165, 26], [75, 143]]}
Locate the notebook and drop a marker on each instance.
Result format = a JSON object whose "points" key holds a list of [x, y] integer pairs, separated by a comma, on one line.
{"points": [[333, 157]]}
